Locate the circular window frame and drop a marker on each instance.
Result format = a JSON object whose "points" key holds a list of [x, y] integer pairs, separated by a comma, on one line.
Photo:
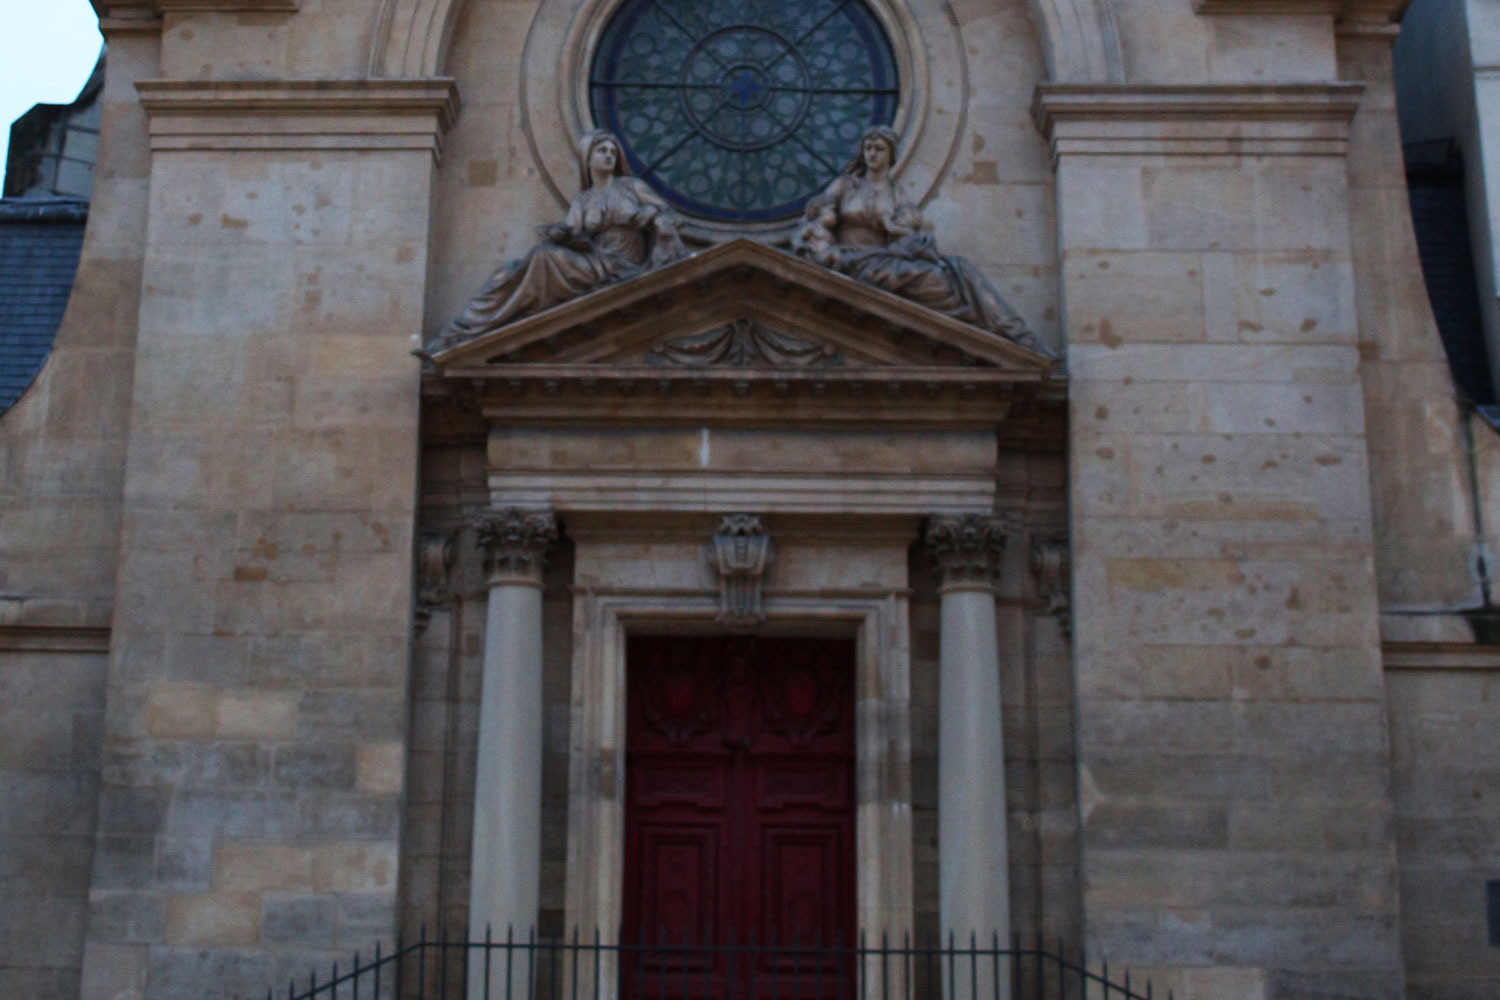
{"points": [[773, 216], [556, 112]]}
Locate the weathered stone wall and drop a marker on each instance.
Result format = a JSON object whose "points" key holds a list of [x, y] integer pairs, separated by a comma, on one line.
{"points": [[329, 39], [1425, 545], [255, 733], [51, 713], [1232, 757], [1265, 453], [62, 454], [1445, 767]]}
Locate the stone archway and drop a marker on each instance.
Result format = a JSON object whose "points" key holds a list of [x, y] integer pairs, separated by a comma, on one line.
{"points": [[1078, 37]]}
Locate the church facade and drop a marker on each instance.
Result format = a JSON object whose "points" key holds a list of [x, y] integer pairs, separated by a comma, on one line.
{"points": [[879, 466]]}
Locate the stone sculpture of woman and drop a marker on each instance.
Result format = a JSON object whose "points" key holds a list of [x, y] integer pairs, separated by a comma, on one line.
{"points": [[615, 229], [860, 226]]}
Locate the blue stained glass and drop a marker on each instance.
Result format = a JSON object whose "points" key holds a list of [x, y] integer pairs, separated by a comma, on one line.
{"points": [[742, 110]]}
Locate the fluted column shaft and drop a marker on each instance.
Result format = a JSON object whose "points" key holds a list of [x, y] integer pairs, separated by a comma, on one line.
{"points": [[506, 852], [973, 851]]}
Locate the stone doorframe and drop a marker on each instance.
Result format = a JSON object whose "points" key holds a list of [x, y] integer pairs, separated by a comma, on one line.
{"points": [[876, 616]]}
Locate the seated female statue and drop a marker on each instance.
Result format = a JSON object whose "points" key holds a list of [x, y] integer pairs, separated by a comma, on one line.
{"points": [[860, 227], [616, 228]]}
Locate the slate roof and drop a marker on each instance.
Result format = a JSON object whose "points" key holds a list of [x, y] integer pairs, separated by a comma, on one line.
{"points": [[40, 242]]}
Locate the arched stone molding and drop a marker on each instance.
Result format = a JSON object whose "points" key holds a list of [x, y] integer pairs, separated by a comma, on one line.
{"points": [[1078, 37], [1078, 40], [411, 36]]}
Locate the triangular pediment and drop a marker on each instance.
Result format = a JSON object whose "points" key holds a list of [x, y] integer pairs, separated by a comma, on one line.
{"points": [[747, 306]]}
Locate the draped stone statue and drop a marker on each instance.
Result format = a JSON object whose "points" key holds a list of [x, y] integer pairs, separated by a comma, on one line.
{"points": [[616, 228], [859, 226]]}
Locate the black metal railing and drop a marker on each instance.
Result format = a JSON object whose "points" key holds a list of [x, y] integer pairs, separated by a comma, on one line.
{"points": [[455, 968]]}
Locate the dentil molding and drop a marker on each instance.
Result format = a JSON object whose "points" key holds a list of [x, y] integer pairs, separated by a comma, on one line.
{"points": [[386, 114], [1267, 119]]}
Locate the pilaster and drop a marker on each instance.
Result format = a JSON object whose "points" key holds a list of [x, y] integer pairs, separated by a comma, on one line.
{"points": [[254, 748], [1229, 691]]}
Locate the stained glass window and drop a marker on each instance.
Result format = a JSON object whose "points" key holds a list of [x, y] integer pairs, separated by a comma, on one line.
{"points": [[742, 110]]}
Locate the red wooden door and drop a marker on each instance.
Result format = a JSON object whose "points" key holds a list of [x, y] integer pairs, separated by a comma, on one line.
{"points": [[739, 816]]}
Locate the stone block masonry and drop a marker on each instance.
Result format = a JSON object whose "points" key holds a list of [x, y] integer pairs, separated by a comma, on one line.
{"points": [[1232, 761], [254, 736]]}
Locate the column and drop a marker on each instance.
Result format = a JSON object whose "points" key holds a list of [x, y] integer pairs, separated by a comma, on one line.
{"points": [[506, 853], [973, 855]]}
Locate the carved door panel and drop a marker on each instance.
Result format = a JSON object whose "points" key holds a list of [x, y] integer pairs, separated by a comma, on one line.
{"points": [[739, 816]]}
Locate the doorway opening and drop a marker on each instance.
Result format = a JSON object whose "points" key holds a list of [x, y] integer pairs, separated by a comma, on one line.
{"points": [[739, 817]]}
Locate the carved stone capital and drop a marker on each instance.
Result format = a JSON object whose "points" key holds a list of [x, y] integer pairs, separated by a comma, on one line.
{"points": [[1053, 570], [966, 550], [515, 543], [740, 552]]}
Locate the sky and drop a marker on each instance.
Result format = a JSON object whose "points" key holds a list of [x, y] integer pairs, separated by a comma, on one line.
{"points": [[47, 50]]}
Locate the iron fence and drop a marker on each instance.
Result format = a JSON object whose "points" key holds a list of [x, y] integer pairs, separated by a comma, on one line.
{"points": [[456, 968]]}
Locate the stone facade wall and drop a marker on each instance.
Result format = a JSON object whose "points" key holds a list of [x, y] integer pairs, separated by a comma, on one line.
{"points": [[51, 710], [255, 733], [1426, 549], [62, 455], [273, 765], [1445, 768], [1232, 761]]}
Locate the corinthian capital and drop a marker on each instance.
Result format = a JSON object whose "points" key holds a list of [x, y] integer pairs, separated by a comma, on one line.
{"points": [[966, 550], [515, 542]]}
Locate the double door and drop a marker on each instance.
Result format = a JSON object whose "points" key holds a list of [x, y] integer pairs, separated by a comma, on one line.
{"points": [[739, 818]]}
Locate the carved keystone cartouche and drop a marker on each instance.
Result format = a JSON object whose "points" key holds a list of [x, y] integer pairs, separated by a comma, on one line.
{"points": [[741, 551]]}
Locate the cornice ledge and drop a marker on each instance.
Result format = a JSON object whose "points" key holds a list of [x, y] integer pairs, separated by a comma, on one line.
{"points": [[121, 16], [1409, 655], [1371, 18], [317, 114], [196, 6], [1386, 11], [1317, 8], [1233, 119], [145, 11]]}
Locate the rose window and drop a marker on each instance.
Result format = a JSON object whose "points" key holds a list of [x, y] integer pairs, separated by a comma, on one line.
{"points": [[742, 111]]}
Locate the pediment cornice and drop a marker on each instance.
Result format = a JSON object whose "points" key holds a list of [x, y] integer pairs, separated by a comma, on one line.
{"points": [[635, 323], [743, 332]]}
